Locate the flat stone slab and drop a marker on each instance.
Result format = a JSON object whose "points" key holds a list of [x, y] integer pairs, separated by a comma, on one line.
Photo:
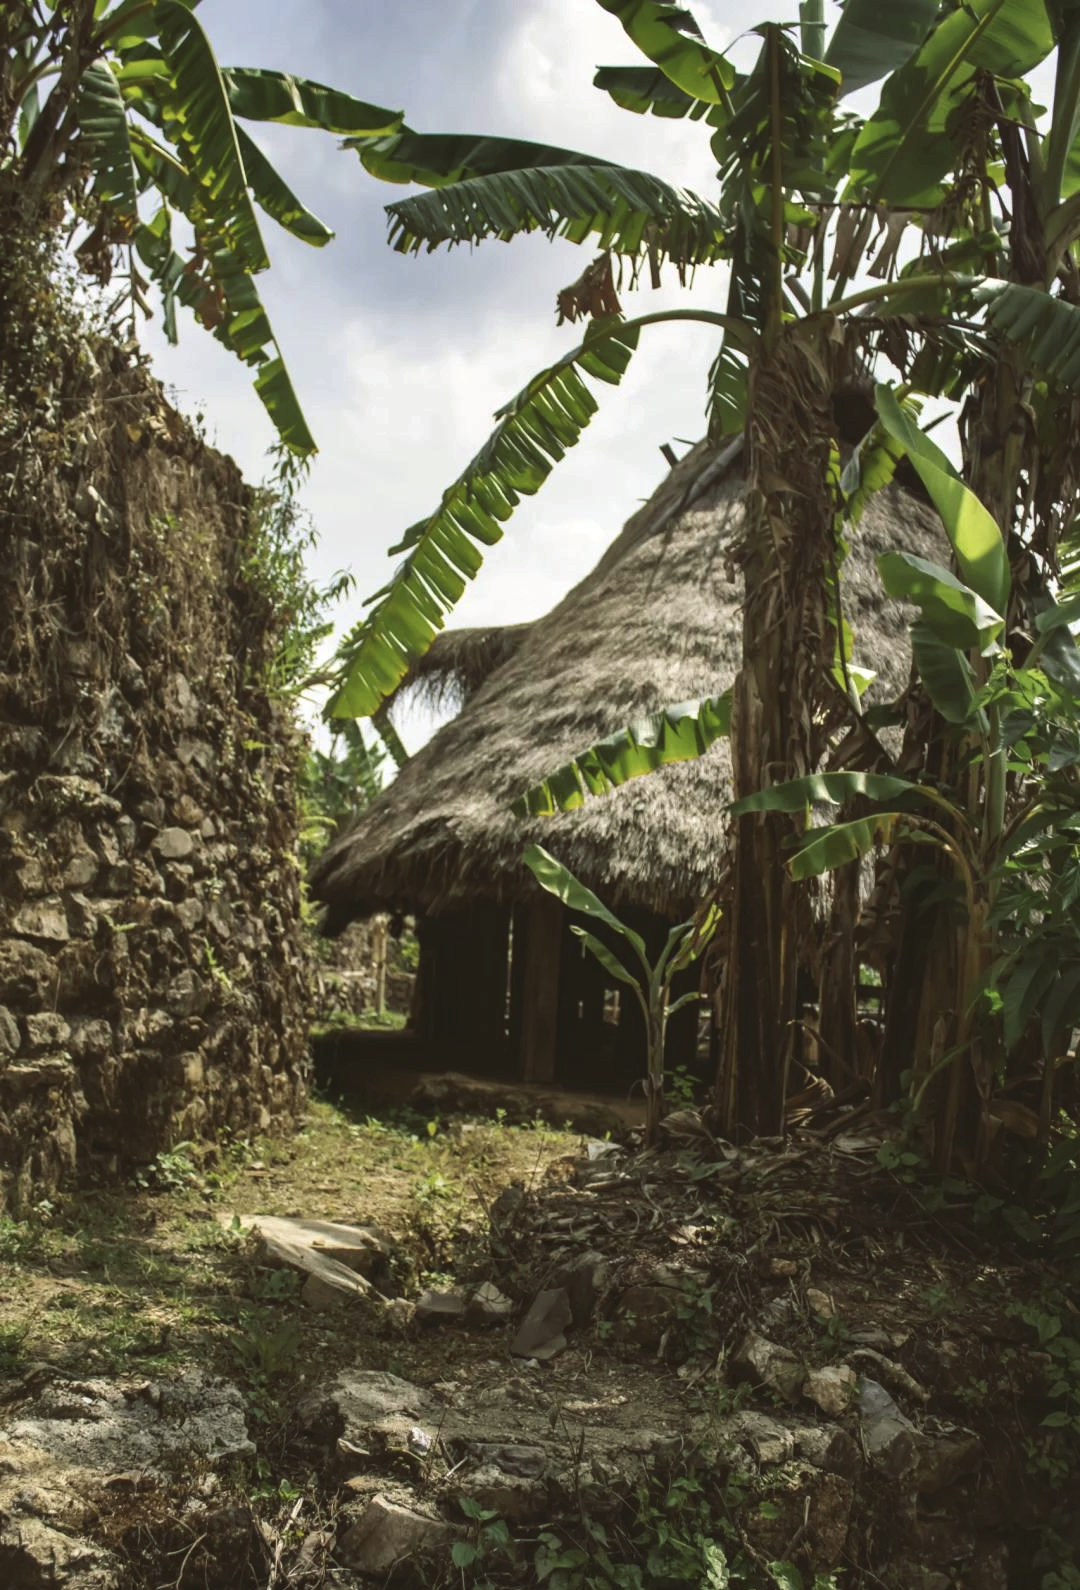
{"points": [[108, 1427], [541, 1332], [341, 1257]]}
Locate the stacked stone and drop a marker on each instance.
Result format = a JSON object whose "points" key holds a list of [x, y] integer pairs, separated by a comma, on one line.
{"points": [[153, 978]]}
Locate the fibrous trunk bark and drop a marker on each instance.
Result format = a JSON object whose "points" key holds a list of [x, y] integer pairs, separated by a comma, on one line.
{"points": [[788, 648]]}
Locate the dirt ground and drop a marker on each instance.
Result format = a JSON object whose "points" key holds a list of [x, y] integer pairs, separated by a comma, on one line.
{"points": [[836, 1260]]}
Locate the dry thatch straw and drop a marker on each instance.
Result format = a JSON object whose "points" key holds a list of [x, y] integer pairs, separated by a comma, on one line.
{"points": [[656, 622], [458, 662]]}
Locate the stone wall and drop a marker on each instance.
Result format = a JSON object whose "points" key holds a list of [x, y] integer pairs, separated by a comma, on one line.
{"points": [[348, 976], [153, 981]]}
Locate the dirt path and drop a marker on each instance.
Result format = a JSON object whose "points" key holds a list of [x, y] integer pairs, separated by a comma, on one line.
{"points": [[783, 1354]]}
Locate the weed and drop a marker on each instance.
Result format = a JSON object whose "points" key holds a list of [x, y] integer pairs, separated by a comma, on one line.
{"points": [[673, 1531], [171, 1171], [12, 1347], [274, 1286], [23, 1241], [266, 1357], [430, 1187], [1054, 1456], [680, 1086]]}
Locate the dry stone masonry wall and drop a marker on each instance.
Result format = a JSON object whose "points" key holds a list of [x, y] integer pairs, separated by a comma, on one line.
{"points": [[152, 975]]}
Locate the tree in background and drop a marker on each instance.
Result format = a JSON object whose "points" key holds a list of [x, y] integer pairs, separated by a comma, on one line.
{"points": [[336, 785], [937, 239]]}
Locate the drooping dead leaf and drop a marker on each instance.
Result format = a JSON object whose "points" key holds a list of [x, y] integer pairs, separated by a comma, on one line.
{"points": [[592, 295]]}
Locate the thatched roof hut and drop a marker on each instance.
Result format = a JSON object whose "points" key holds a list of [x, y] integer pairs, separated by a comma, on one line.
{"points": [[656, 622]]}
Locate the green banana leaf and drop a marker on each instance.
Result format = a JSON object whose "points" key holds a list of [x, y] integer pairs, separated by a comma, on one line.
{"points": [[273, 194], [535, 430], [223, 296], [906, 148], [560, 881], [199, 119], [1060, 146], [103, 123], [670, 38], [1048, 326], [1061, 1005], [688, 941], [678, 734], [645, 90], [258, 95], [870, 469], [626, 211], [872, 39], [436, 160], [954, 612], [947, 676], [843, 842], [1029, 979], [833, 789], [1062, 615], [974, 533], [273, 383], [607, 958]]}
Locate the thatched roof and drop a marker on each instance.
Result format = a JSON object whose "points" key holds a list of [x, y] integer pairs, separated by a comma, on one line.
{"points": [[657, 621], [458, 662]]}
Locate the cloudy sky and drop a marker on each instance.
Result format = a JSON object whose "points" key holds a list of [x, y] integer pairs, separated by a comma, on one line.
{"points": [[400, 362]]}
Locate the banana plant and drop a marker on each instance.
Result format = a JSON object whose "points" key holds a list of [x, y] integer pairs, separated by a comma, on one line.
{"points": [[122, 113], [942, 230], [651, 981], [1006, 832], [770, 130]]}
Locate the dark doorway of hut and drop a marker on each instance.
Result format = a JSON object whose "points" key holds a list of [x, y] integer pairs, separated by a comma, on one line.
{"points": [[512, 994]]}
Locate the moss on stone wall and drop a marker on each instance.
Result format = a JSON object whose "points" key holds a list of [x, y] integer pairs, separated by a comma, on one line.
{"points": [[153, 979]]}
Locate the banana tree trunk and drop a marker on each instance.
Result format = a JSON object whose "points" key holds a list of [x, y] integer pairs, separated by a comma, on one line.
{"points": [[788, 644]]}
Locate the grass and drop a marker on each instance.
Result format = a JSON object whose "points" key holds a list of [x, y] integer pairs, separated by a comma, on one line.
{"points": [[150, 1278]]}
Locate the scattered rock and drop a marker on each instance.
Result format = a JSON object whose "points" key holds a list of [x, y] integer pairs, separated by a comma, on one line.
{"points": [[518, 1498], [585, 1278], [888, 1438], [46, 1031], [766, 1439], [832, 1388], [400, 1312], [763, 1363], [323, 1296], [488, 1306], [890, 1374], [367, 1408], [115, 1427], [34, 1556], [820, 1302], [828, 1447], [541, 1332], [9, 1033], [26, 972], [440, 1308], [942, 1462], [646, 1312], [386, 1534], [507, 1205]]}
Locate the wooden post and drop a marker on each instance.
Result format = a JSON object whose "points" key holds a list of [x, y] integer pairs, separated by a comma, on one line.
{"points": [[379, 946], [545, 925]]}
